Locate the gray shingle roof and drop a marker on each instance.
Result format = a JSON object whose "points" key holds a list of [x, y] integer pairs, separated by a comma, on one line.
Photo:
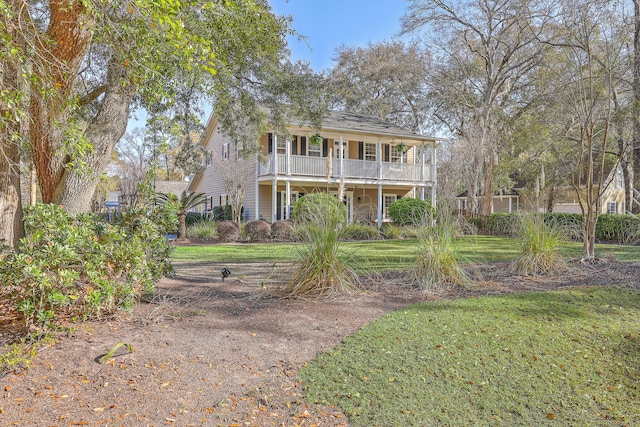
{"points": [[345, 121]]}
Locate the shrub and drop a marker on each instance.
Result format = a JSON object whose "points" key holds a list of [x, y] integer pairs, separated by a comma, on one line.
{"points": [[79, 267], [203, 229], [228, 231], [282, 230], [540, 242], [257, 230], [318, 205], [321, 269], [617, 227], [361, 232], [410, 211]]}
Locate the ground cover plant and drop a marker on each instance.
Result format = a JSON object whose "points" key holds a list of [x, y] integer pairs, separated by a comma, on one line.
{"points": [[552, 358]]}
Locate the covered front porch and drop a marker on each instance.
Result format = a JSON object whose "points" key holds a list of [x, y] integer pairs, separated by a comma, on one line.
{"points": [[365, 203]]}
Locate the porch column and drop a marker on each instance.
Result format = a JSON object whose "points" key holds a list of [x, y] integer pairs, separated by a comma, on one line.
{"points": [[288, 201], [510, 199], [379, 150], [341, 157], [287, 151], [423, 160], [379, 205], [274, 156], [434, 180], [257, 190], [274, 200]]}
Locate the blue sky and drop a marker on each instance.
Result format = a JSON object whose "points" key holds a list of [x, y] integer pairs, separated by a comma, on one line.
{"points": [[331, 23]]}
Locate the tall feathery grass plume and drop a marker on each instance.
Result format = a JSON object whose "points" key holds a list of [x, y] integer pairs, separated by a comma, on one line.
{"points": [[439, 263], [322, 268], [540, 241]]}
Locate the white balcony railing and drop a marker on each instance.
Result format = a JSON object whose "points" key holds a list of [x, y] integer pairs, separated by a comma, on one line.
{"points": [[353, 169]]}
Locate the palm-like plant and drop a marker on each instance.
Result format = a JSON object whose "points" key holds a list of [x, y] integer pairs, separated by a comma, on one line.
{"points": [[186, 202]]}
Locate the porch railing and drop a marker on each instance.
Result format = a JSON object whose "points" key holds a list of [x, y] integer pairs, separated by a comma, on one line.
{"points": [[318, 167]]}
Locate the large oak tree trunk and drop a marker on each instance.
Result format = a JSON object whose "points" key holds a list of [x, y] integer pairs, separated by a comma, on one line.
{"points": [[75, 189], [57, 60]]}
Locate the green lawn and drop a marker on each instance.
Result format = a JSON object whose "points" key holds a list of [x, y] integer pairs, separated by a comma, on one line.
{"points": [[554, 358], [384, 254]]}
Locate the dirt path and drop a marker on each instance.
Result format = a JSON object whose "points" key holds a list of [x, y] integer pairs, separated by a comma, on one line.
{"points": [[213, 353]]}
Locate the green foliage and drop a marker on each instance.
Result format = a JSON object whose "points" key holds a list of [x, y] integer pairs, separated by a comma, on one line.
{"points": [[222, 213], [410, 211], [439, 262], [566, 358], [70, 268], [203, 229], [361, 232], [540, 244], [392, 231], [315, 205], [16, 355], [624, 229], [321, 268]]}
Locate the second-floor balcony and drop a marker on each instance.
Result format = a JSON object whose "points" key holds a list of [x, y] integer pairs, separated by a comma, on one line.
{"points": [[325, 167]]}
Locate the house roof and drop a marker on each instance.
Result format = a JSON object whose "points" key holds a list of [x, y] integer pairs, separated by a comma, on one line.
{"points": [[353, 122]]}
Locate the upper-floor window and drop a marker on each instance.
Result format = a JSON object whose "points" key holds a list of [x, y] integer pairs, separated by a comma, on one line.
{"points": [[370, 152], [619, 179], [225, 151], [314, 146], [208, 157], [282, 145]]}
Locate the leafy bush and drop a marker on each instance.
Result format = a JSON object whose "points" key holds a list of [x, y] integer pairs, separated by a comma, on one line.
{"points": [[315, 205], [410, 211], [617, 227], [75, 268], [361, 232], [282, 230], [257, 230], [228, 231], [193, 218], [540, 246], [203, 229]]}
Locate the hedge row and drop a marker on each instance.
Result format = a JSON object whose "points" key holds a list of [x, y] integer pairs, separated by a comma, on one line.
{"points": [[610, 227]]}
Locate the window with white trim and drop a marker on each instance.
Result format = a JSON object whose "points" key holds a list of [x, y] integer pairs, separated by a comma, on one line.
{"points": [[612, 207], [225, 151], [387, 200], [370, 152], [282, 145], [314, 147]]}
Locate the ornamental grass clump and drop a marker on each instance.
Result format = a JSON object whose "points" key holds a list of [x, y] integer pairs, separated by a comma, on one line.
{"points": [[439, 264], [321, 268], [539, 242]]}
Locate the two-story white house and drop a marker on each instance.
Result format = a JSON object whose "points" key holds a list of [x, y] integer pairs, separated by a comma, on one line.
{"points": [[372, 162]]}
